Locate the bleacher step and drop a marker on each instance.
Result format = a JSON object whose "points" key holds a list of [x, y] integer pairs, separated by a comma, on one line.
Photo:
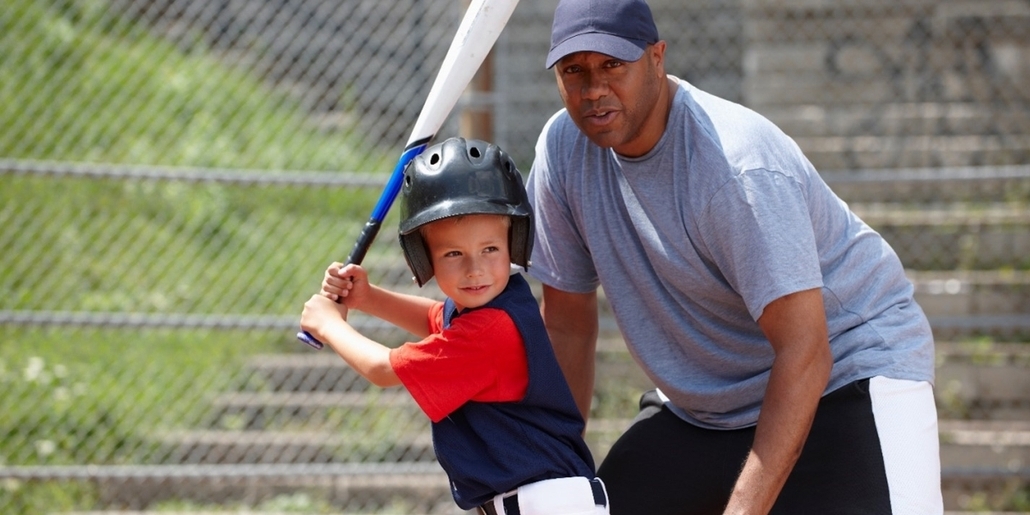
{"points": [[892, 118], [931, 186], [1003, 446], [405, 445], [958, 236], [974, 302], [983, 381]]}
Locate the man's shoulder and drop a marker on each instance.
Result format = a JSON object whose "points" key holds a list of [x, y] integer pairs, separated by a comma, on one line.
{"points": [[710, 109], [561, 142], [744, 137], [560, 126]]}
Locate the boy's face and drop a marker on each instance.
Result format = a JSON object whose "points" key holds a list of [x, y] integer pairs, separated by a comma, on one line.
{"points": [[470, 257]]}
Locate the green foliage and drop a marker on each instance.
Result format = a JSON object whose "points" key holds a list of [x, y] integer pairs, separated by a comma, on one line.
{"points": [[75, 397], [104, 89], [32, 498], [53, 417], [112, 92], [172, 247], [82, 83]]}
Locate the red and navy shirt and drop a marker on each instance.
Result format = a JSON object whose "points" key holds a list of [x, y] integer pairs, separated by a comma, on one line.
{"points": [[436, 370], [503, 415]]}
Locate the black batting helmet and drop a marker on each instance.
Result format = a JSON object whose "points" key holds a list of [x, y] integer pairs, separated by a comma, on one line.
{"points": [[462, 177]]}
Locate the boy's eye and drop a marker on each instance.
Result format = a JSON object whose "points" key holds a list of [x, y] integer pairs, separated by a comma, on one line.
{"points": [[452, 253]]}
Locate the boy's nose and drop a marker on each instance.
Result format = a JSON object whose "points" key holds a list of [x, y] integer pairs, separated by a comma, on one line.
{"points": [[474, 268]]}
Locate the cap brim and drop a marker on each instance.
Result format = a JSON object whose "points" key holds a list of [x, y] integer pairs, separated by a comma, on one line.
{"points": [[607, 44]]}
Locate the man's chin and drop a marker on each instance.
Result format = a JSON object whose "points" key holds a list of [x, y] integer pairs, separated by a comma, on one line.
{"points": [[603, 138]]}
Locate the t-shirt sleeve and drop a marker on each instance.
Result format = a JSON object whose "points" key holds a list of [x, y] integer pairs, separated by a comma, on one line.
{"points": [[760, 234], [436, 318], [560, 258], [481, 357]]}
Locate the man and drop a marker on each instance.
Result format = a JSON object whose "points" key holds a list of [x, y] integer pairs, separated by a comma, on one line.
{"points": [[794, 369]]}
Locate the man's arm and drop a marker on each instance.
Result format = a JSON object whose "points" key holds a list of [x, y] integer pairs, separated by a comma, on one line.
{"points": [[796, 327], [571, 320]]}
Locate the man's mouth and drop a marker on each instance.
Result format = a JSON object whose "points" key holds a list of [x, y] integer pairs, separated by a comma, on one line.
{"points": [[599, 116]]}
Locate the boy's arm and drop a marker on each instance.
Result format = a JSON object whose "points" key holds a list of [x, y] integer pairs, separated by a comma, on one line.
{"points": [[324, 319], [409, 312]]}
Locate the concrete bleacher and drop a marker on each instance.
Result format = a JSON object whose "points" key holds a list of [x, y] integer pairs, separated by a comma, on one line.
{"points": [[918, 115]]}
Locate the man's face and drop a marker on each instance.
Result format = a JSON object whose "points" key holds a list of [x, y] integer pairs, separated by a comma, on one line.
{"points": [[616, 103]]}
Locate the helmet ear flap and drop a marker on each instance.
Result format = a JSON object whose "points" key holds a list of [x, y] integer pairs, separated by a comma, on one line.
{"points": [[417, 256], [520, 240]]}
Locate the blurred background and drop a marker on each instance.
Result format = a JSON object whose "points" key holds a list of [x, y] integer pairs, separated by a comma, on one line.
{"points": [[175, 175]]}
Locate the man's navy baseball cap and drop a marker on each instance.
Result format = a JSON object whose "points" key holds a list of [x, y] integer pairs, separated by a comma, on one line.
{"points": [[619, 28]]}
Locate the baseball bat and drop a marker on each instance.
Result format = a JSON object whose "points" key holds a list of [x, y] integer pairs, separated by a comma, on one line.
{"points": [[482, 24]]}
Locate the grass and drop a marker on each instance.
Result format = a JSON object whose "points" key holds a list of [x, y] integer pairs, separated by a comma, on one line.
{"points": [[168, 247], [69, 399], [74, 396], [81, 83], [104, 89]]}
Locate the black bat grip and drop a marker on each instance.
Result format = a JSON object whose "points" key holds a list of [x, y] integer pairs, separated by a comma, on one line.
{"points": [[357, 255], [365, 239]]}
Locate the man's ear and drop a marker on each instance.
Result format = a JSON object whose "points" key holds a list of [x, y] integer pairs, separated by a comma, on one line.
{"points": [[657, 53]]}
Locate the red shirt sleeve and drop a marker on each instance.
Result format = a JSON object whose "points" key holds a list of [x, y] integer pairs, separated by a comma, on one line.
{"points": [[481, 357]]}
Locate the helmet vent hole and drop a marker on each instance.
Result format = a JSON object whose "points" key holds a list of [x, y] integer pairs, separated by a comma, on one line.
{"points": [[434, 159], [474, 152]]}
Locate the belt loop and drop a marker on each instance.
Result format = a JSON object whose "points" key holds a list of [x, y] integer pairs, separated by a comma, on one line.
{"points": [[511, 505], [600, 496]]}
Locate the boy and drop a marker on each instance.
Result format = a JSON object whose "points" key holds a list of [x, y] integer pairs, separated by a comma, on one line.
{"points": [[506, 429]]}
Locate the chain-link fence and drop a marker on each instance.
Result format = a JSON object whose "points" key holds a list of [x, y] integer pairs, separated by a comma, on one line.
{"points": [[176, 174]]}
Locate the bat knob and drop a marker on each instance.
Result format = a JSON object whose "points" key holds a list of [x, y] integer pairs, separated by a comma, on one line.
{"points": [[306, 337]]}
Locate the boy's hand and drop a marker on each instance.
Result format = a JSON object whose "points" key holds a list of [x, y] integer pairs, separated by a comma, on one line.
{"points": [[346, 284], [320, 314]]}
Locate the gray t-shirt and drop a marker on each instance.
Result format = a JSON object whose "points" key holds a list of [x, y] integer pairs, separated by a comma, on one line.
{"points": [[691, 241]]}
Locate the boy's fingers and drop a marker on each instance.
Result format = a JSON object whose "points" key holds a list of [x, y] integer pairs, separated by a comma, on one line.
{"points": [[348, 271], [337, 286], [334, 270]]}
